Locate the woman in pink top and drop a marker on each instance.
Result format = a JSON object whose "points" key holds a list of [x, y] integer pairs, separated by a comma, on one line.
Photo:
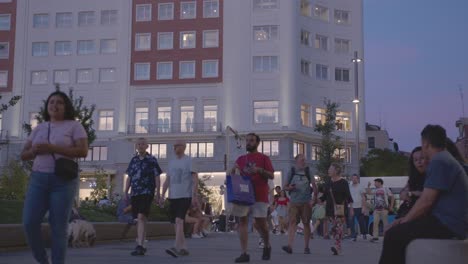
{"points": [[59, 137]]}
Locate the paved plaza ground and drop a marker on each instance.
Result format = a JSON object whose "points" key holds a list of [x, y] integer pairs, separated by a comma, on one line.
{"points": [[217, 248]]}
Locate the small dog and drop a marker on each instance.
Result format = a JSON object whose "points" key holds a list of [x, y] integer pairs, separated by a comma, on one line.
{"points": [[81, 233]]}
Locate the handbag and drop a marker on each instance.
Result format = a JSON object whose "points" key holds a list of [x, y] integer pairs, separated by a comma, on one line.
{"points": [[66, 169], [339, 209], [240, 190]]}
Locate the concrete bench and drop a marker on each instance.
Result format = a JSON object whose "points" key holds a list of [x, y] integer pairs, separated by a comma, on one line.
{"points": [[434, 251], [12, 235]]}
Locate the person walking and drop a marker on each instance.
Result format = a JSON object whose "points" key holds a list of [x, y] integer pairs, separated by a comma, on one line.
{"points": [[143, 177], [182, 182], [258, 167], [300, 192], [60, 136], [359, 205]]}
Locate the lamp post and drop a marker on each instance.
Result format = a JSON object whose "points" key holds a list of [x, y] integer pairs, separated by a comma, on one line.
{"points": [[346, 119], [356, 102]]}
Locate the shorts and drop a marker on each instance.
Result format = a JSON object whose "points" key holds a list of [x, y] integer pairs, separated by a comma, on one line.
{"points": [[258, 210], [300, 212], [178, 208], [141, 204]]}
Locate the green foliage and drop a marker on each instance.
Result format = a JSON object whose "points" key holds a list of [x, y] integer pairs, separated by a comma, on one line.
{"points": [[11, 211], [13, 182], [82, 113], [384, 162], [14, 100], [329, 142], [101, 188]]}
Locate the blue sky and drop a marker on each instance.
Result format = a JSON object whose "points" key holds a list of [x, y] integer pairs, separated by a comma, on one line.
{"points": [[416, 56]]}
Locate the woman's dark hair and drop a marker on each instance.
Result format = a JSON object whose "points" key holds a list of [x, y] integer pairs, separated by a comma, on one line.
{"points": [[452, 148], [416, 179], [69, 110], [283, 192]]}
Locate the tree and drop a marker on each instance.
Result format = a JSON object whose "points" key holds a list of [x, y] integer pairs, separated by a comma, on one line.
{"points": [[82, 113], [13, 181], [329, 142], [11, 102], [100, 188], [384, 162]]}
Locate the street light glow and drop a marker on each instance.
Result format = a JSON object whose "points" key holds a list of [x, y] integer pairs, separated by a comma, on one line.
{"points": [[356, 101]]}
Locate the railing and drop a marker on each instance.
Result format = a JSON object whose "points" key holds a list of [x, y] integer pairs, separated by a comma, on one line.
{"points": [[155, 129]]}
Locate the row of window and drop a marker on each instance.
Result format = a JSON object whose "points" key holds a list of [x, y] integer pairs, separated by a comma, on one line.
{"points": [[322, 71], [5, 22], [342, 119], [343, 154], [85, 75], [3, 79], [188, 10], [164, 70], [85, 19], [4, 50], [341, 17], [321, 42], [187, 40], [83, 47]]}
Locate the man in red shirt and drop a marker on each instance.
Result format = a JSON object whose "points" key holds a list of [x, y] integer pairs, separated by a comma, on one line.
{"points": [[258, 166]]}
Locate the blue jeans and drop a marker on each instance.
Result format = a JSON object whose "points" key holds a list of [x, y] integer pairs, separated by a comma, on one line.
{"points": [[47, 192], [361, 220]]}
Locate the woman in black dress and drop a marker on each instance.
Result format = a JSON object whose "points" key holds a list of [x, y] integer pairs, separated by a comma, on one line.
{"points": [[339, 188]]}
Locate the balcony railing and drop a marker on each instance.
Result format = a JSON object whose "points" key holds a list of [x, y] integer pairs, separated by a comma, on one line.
{"points": [[155, 129]]}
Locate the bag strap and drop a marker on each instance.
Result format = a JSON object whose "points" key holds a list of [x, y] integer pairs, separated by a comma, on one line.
{"points": [[48, 139], [293, 171], [333, 197]]}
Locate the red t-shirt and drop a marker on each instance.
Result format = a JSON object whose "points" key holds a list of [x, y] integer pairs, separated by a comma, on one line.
{"points": [[259, 183], [284, 201]]}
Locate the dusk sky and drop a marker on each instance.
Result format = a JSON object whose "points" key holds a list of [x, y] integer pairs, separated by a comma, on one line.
{"points": [[416, 56]]}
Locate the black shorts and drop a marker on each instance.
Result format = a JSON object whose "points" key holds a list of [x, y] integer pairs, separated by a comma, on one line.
{"points": [[141, 204], [178, 208]]}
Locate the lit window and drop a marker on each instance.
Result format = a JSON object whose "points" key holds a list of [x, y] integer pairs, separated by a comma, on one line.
{"points": [[5, 21], [39, 77], [187, 40], [87, 18], [321, 72], [210, 68], [266, 112], [187, 69], [321, 12], [63, 48], [62, 76], [343, 155], [106, 75], [3, 78], [262, 33], [343, 121], [188, 10], [143, 12], [320, 116], [86, 47], [265, 63], [40, 49], [159, 151], [306, 8], [106, 120], [164, 119], [210, 8], [41, 20], [164, 71], [141, 119], [315, 152], [4, 50], [165, 40], [306, 117], [108, 46], [210, 38], [96, 154], [200, 149], [187, 113], [63, 20], [84, 75], [143, 41], [265, 4], [341, 75], [341, 17], [269, 147], [299, 148], [108, 17], [142, 71], [166, 11], [210, 116], [321, 42]]}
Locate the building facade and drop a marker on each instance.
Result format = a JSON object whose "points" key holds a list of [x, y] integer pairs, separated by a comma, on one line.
{"points": [[167, 70]]}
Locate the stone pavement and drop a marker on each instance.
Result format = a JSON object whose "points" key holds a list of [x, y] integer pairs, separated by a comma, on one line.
{"points": [[217, 248]]}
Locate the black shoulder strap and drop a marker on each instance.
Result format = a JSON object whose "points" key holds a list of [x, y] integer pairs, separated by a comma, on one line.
{"points": [[307, 173]]}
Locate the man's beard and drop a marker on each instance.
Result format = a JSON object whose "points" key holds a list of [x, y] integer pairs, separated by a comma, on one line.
{"points": [[250, 148]]}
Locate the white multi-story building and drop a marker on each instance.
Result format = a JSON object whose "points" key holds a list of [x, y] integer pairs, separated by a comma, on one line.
{"points": [[189, 69]]}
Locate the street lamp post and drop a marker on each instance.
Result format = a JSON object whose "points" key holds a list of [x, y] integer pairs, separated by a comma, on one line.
{"points": [[346, 119], [356, 101]]}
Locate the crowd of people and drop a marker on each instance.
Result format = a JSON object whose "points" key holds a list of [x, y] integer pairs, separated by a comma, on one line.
{"points": [[435, 199]]}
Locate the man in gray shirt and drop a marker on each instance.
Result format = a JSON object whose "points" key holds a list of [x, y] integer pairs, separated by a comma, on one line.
{"points": [[442, 210], [183, 188]]}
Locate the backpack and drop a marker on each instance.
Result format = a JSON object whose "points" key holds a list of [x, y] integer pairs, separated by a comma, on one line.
{"points": [[307, 174]]}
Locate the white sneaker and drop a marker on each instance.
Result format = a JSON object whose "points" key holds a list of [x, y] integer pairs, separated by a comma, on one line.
{"points": [[197, 236], [261, 244]]}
